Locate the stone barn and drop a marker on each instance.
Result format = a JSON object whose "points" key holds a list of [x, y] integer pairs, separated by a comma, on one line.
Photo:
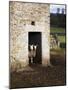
{"points": [[29, 34]]}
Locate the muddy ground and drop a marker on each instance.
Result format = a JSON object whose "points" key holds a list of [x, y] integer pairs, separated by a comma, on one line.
{"points": [[41, 76]]}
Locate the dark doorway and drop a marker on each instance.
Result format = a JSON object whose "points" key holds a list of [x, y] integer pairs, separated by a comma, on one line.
{"points": [[34, 38]]}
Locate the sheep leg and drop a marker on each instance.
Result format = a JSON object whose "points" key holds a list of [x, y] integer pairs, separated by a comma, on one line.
{"points": [[31, 59]]}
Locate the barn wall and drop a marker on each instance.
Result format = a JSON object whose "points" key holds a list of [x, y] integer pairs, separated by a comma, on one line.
{"points": [[21, 16]]}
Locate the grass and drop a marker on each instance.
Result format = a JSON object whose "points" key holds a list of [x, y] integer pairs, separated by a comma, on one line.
{"points": [[57, 51], [61, 39], [57, 30]]}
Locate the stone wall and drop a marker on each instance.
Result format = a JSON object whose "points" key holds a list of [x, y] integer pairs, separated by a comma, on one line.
{"points": [[21, 16]]}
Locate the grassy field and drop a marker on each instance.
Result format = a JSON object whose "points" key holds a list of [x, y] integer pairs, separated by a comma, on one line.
{"points": [[61, 38], [57, 30]]}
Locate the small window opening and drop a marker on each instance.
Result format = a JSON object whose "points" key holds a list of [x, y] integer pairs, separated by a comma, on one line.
{"points": [[32, 23]]}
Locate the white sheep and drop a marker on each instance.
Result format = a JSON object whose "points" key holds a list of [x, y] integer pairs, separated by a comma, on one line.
{"points": [[32, 52]]}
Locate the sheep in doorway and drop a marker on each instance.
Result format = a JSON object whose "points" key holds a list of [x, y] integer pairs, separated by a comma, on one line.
{"points": [[32, 52]]}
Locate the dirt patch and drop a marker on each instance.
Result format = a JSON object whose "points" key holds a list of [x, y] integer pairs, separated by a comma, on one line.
{"points": [[39, 76], [42, 76]]}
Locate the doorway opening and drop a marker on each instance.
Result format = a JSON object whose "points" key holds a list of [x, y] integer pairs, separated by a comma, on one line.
{"points": [[35, 47]]}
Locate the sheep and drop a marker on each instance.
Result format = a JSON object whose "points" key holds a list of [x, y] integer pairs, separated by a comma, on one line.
{"points": [[32, 52]]}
